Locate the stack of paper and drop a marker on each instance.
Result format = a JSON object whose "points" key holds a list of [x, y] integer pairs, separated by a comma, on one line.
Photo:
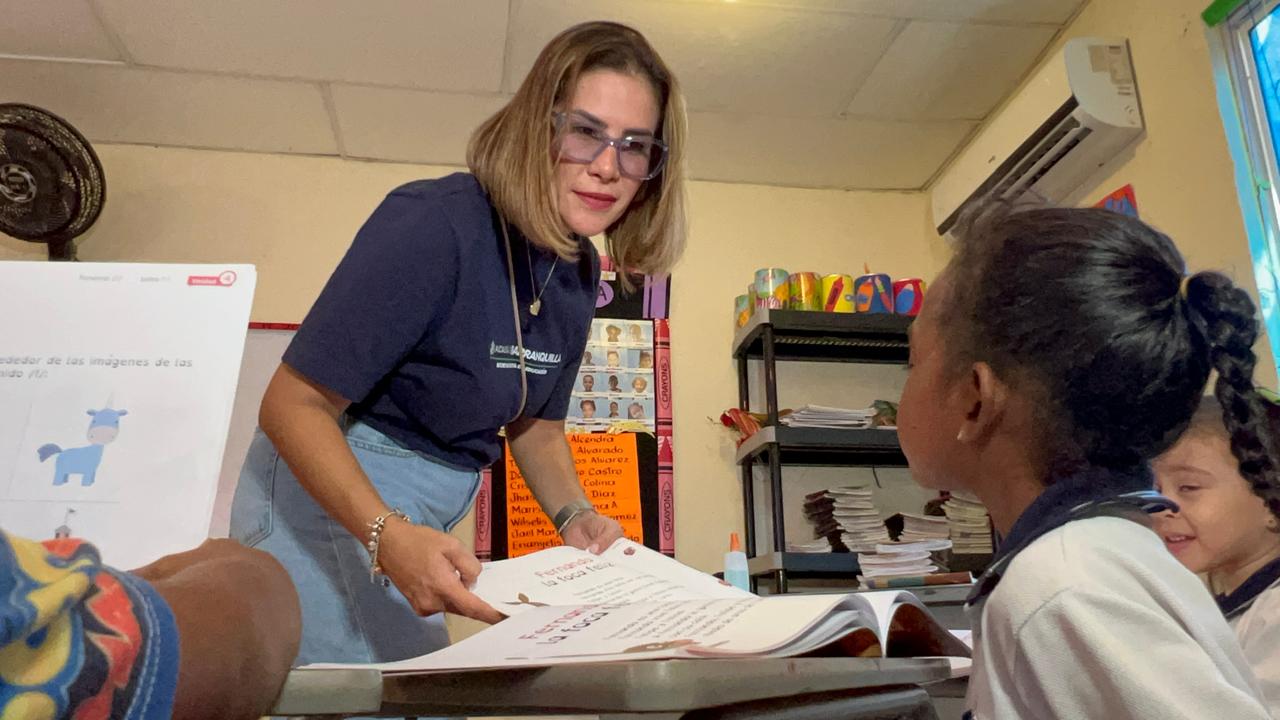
{"points": [[911, 559], [848, 516], [916, 528], [817, 416], [821, 545], [819, 510], [932, 546], [969, 523]]}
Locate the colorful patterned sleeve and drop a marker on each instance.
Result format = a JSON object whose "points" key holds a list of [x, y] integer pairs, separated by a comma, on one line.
{"points": [[78, 640]]}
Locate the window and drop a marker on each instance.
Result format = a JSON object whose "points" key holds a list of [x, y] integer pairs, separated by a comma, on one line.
{"points": [[1250, 40]]}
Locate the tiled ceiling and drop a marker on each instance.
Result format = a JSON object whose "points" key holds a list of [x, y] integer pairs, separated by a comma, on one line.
{"points": [[856, 94]]}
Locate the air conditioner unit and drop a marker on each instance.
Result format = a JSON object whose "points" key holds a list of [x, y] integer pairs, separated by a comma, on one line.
{"points": [[1077, 112]]}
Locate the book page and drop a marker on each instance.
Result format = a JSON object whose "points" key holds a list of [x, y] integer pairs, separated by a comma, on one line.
{"points": [[752, 626], [117, 382], [881, 606], [625, 573], [902, 619]]}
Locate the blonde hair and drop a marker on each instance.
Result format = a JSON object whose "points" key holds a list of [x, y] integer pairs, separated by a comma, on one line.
{"points": [[510, 153]]}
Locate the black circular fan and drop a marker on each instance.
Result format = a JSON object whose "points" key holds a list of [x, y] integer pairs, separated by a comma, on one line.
{"points": [[51, 183]]}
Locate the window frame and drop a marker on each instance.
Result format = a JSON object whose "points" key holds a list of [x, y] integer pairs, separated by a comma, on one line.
{"points": [[1259, 183]]}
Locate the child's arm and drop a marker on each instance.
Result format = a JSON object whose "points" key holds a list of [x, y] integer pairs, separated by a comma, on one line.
{"points": [[1088, 654], [238, 618], [206, 633]]}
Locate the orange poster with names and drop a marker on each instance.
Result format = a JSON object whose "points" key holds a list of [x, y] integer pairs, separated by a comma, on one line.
{"points": [[609, 470]]}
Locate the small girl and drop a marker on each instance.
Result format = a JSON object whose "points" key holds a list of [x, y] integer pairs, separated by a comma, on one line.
{"points": [[1055, 356], [1229, 531]]}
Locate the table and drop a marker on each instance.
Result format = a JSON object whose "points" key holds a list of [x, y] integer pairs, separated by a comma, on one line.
{"points": [[654, 687]]}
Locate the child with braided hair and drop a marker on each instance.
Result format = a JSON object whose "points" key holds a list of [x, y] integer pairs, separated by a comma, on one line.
{"points": [[1057, 354], [1227, 527]]}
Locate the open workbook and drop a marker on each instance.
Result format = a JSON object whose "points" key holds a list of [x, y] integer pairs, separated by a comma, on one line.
{"points": [[631, 603]]}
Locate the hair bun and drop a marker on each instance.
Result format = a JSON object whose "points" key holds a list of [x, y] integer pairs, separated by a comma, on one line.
{"points": [[1224, 312]]}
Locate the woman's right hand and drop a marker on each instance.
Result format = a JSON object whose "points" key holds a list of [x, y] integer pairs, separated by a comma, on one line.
{"points": [[433, 570]]}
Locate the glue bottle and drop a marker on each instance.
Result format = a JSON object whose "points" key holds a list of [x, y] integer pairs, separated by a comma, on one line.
{"points": [[735, 565]]}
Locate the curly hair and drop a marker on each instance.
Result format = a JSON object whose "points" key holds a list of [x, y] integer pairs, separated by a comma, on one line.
{"points": [[1228, 319], [1209, 421]]}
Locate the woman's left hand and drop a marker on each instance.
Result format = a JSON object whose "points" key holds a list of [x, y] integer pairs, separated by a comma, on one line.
{"points": [[592, 532]]}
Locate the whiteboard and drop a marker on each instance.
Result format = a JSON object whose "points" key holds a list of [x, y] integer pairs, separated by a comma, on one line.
{"points": [[262, 352]]}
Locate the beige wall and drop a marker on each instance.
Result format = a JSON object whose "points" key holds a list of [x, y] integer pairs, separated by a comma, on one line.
{"points": [[1181, 170], [294, 216], [736, 229]]}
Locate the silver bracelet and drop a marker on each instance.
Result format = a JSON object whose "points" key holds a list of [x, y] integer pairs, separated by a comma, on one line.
{"points": [[567, 514], [375, 541]]}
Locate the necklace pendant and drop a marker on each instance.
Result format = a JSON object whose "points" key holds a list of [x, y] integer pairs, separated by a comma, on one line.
{"points": [[535, 306]]}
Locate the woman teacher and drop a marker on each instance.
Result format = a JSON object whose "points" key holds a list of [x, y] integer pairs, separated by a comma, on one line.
{"points": [[461, 309]]}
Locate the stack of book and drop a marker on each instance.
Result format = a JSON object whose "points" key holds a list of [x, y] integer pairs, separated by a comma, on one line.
{"points": [[969, 523], [921, 528], [847, 518], [817, 416], [908, 564], [899, 560]]}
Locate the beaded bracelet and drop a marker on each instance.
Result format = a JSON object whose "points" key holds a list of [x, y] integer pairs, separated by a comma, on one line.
{"points": [[375, 539]]}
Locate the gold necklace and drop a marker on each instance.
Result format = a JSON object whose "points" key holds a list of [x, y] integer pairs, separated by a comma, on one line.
{"points": [[536, 306]]}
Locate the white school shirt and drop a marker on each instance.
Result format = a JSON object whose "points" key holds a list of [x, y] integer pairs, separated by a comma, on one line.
{"points": [[1258, 629], [1097, 620]]}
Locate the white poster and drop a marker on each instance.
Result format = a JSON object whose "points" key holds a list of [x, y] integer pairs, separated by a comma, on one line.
{"points": [[262, 352], [116, 389]]}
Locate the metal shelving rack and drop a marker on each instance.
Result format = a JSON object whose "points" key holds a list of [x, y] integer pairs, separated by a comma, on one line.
{"points": [[784, 335]]}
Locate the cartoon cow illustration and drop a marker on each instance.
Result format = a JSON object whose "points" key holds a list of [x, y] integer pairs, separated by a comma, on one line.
{"points": [[84, 461]]}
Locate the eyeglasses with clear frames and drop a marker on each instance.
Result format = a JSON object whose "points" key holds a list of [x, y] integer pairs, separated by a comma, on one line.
{"points": [[640, 157]]}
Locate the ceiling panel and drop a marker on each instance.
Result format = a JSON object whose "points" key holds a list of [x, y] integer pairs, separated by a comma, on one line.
{"points": [[407, 125], [436, 44], [945, 71], [53, 29], [853, 154], [856, 94], [1015, 11], [115, 104], [729, 57]]}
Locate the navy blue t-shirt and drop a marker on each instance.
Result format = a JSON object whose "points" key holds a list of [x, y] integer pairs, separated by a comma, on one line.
{"points": [[415, 326]]}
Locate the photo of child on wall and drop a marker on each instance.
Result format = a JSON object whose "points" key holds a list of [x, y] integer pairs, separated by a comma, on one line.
{"points": [[618, 366]]}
